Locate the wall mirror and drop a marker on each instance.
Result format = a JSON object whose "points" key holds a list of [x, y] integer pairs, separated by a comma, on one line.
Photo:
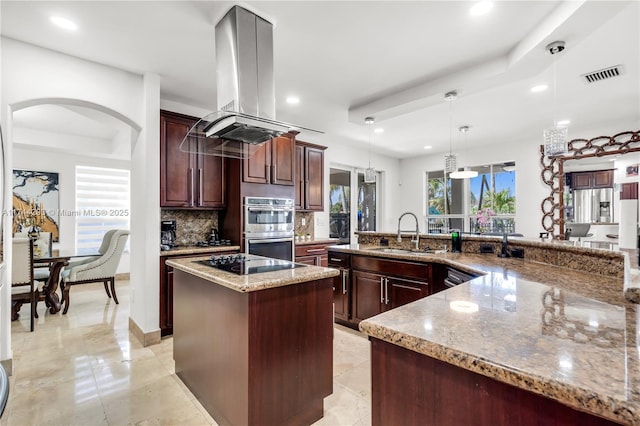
{"points": [[581, 155]]}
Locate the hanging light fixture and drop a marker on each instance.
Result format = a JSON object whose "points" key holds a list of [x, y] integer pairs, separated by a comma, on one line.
{"points": [[370, 173], [450, 161], [555, 138], [463, 174]]}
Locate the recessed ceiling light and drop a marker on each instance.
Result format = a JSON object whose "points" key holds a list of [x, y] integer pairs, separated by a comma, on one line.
{"points": [[378, 130], [564, 122], [64, 23], [293, 100], [428, 147], [481, 8], [539, 88]]}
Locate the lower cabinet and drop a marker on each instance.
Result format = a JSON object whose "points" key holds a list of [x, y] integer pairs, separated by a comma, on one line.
{"points": [[166, 289], [313, 254], [368, 286]]}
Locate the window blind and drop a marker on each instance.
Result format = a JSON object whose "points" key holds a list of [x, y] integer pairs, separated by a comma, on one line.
{"points": [[102, 203]]}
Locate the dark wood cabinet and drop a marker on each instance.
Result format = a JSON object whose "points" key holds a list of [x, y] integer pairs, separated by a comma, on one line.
{"points": [[603, 179], [401, 291], [589, 180], [187, 179], [314, 254], [629, 191], [367, 295], [341, 286], [166, 290], [309, 177], [370, 285], [272, 162]]}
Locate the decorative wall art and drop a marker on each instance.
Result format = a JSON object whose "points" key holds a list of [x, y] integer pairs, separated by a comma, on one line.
{"points": [[36, 202], [632, 170]]}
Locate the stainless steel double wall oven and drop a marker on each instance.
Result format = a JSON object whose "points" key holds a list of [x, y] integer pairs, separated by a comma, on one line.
{"points": [[269, 227]]}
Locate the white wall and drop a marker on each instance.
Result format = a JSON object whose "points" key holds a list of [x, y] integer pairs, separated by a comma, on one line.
{"points": [[30, 75], [65, 165], [529, 187]]}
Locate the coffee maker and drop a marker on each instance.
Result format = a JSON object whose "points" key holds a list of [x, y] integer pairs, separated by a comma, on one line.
{"points": [[168, 234]]}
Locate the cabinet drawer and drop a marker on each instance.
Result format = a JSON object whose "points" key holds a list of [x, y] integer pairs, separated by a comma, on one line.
{"points": [[339, 259], [311, 250], [420, 271]]}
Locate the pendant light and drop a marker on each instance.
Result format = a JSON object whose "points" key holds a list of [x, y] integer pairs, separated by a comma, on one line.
{"points": [[450, 161], [370, 173], [463, 174], [555, 138]]}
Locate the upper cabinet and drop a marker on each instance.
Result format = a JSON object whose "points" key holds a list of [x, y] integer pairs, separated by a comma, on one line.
{"points": [[309, 177], [589, 180], [187, 179], [272, 162]]}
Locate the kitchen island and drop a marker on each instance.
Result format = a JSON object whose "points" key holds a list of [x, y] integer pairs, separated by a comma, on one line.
{"points": [[525, 343], [254, 349]]}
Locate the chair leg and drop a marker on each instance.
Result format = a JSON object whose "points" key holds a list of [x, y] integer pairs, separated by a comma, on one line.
{"points": [[113, 289], [65, 298], [33, 308], [37, 299], [106, 288]]}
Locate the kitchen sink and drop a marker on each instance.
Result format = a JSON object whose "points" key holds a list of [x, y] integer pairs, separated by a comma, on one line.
{"points": [[391, 250]]}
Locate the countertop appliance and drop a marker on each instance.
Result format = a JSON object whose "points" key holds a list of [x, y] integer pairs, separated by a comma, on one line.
{"points": [[168, 234], [247, 264], [269, 227]]}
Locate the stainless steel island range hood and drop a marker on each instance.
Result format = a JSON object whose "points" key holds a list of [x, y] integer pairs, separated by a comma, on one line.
{"points": [[246, 90]]}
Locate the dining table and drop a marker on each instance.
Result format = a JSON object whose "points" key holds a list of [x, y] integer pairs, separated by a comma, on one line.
{"points": [[55, 260]]}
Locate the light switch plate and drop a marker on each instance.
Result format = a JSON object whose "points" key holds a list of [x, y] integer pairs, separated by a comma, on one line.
{"points": [[303, 221]]}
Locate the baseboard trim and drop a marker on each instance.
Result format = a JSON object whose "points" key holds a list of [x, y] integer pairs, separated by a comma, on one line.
{"points": [[8, 366], [124, 276], [147, 339]]}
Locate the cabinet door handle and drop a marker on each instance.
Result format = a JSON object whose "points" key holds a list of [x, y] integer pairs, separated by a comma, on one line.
{"points": [[274, 175], [335, 259], [381, 289], [344, 282], [200, 187], [315, 250], [190, 173], [267, 173], [386, 290]]}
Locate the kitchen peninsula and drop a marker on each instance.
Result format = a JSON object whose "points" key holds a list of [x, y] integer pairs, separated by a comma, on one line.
{"points": [[254, 349], [527, 342]]}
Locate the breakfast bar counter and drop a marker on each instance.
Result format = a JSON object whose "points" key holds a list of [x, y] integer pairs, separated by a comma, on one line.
{"points": [[525, 343], [254, 349]]}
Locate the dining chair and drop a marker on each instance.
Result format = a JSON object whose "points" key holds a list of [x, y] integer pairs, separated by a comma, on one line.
{"points": [[22, 288], [42, 247], [99, 269]]}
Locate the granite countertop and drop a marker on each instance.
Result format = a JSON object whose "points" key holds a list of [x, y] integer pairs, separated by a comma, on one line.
{"points": [[255, 282], [197, 250], [558, 332], [317, 241]]}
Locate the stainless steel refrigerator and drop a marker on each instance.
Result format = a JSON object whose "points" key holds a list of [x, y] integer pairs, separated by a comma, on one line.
{"points": [[593, 205]]}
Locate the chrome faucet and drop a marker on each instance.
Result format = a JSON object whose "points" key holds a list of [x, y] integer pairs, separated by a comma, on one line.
{"points": [[417, 240]]}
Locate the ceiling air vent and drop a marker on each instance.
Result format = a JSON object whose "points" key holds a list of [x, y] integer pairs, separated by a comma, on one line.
{"points": [[603, 74]]}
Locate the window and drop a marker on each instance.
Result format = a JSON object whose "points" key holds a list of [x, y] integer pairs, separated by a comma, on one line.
{"points": [[102, 203], [367, 203], [484, 204]]}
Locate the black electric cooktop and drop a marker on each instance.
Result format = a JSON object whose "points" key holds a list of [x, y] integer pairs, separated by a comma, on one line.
{"points": [[247, 264]]}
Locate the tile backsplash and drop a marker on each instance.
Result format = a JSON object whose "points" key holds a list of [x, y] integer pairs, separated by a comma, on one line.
{"points": [[307, 228], [191, 225]]}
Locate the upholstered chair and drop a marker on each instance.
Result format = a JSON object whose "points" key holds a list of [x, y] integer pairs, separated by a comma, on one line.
{"points": [[100, 269], [22, 289]]}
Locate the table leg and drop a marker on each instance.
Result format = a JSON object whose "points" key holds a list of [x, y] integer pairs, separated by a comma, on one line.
{"points": [[51, 286]]}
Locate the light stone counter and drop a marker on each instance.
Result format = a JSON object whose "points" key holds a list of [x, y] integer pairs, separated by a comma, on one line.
{"points": [[197, 250], [254, 282], [554, 331]]}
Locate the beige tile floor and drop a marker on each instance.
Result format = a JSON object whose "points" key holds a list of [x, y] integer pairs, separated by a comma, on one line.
{"points": [[85, 368]]}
